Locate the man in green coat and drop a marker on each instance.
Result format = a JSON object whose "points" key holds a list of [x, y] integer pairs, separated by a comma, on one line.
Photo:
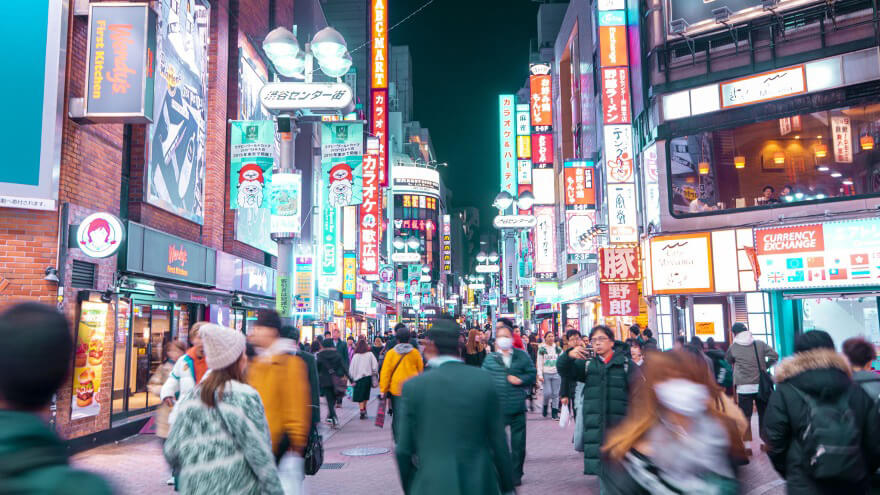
{"points": [[451, 442], [607, 378], [513, 372], [35, 351]]}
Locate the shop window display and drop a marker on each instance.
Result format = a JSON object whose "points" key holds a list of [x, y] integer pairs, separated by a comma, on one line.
{"points": [[818, 156], [843, 317]]}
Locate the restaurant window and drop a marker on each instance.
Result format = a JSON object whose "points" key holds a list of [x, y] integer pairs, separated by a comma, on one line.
{"points": [[811, 157]]}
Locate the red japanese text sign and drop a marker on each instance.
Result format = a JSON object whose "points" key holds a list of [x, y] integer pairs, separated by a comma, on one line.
{"points": [[370, 218], [542, 149], [379, 129], [620, 299], [379, 43], [615, 95], [541, 108], [578, 185], [619, 264]]}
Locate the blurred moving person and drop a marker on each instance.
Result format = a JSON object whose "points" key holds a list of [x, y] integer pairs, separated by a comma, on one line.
{"points": [[401, 363], [749, 357], [475, 349], [35, 353], [330, 370], [282, 380], [674, 439], [548, 376], [188, 370], [364, 370], [861, 354], [513, 373], [173, 352], [822, 429], [219, 440], [475, 459]]}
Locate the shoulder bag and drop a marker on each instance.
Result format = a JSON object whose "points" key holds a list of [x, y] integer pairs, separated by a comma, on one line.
{"points": [[765, 381]]}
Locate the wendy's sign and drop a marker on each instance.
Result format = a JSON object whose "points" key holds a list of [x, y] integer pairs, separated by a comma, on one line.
{"points": [[156, 253], [100, 235]]}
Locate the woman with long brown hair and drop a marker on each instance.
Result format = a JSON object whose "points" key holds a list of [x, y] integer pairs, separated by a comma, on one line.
{"points": [[364, 371], [475, 349], [676, 437]]}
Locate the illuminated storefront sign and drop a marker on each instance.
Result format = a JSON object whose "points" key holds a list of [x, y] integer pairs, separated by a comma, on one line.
{"points": [[523, 147], [508, 148], [578, 242], [379, 129], [619, 264], [100, 235], [764, 87], [578, 185], [620, 299], [542, 150], [524, 171], [612, 46], [622, 221], [615, 95], [540, 100], [419, 180], [349, 275], [618, 154], [379, 43], [545, 242], [523, 122], [447, 244], [682, 263], [370, 218]]}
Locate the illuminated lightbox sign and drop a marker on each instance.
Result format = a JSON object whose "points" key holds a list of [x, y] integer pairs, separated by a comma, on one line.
{"points": [[316, 96], [419, 180], [764, 87], [507, 128], [514, 221]]}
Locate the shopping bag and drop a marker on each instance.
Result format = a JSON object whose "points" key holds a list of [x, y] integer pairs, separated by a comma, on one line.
{"points": [[349, 392], [380, 414], [564, 416], [291, 473]]}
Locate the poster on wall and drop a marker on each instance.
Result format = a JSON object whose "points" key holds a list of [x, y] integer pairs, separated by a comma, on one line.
{"points": [[342, 156], [176, 141], [253, 225], [304, 290], [545, 242], [682, 263], [88, 360], [251, 156], [841, 130]]}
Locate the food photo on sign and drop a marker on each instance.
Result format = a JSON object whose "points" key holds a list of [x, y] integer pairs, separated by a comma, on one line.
{"points": [[88, 360]]}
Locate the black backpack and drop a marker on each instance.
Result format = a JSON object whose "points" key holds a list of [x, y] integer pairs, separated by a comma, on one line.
{"points": [[831, 440]]}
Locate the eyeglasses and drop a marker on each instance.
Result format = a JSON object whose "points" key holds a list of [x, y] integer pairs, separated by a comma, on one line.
{"points": [[599, 340]]}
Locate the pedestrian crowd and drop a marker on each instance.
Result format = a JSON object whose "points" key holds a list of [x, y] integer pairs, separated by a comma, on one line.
{"points": [[240, 414]]}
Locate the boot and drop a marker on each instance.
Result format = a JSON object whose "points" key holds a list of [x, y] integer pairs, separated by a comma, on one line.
{"points": [[363, 414], [555, 414], [544, 411]]}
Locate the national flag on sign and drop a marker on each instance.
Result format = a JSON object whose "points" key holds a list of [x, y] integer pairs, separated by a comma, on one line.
{"points": [[816, 275], [858, 259], [816, 262], [797, 276], [861, 274], [837, 274], [794, 263], [775, 277]]}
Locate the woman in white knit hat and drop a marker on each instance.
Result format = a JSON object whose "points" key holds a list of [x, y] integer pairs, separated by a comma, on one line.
{"points": [[219, 440]]}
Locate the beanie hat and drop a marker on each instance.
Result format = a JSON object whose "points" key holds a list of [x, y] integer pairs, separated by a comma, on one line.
{"points": [[223, 346], [250, 167], [738, 328]]}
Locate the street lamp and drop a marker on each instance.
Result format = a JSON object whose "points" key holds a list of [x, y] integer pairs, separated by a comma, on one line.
{"points": [[503, 201], [526, 200], [481, 257], [328, 46], [398, 243], [413, 243], [493, 257]]}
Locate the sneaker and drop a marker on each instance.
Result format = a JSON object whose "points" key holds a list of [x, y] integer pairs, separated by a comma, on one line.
{"points": [[363, 414], [544, 411], [170, 481]]}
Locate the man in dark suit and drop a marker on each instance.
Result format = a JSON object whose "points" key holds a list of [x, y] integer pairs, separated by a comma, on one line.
{"points": [[342, 349], [452, 442]]}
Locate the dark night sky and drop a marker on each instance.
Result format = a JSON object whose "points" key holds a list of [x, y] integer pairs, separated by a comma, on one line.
{"points": [[465, 53]]}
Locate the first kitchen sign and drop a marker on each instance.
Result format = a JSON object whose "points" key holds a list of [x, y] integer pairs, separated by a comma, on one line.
{"points": [[121, 63]]}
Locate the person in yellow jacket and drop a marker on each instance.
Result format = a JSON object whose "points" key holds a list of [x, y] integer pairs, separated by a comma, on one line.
{"points": [[401, 363], [282, 380]]}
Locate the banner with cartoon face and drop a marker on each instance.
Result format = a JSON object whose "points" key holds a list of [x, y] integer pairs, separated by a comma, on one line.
{"points": [[252, 153], [342, 150]]}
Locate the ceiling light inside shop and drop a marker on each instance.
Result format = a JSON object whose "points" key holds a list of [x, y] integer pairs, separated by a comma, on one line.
{"points": [[703, 167], [847, 182], [779, 158], [821, 150], [836, 174], [822, 168], [867, 142], [739, 162]]}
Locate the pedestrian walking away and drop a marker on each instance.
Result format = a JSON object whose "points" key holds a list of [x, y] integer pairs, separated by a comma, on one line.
{"points": [[35, 359], [749, 358], [364, 371], [174, 351], [452, 443], [548, 353], [823, 430], [219, 440], [861, 354], [401, 363], [512, 373], [330, 371]]}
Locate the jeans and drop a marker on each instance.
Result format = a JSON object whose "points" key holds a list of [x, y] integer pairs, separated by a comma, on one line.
{"points": [[745, 403], [552, 382], [395, 416], [329, 394], [517, 424]]}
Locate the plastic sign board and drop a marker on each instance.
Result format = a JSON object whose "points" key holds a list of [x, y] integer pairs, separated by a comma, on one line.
{"points": [[622, 223], [542, 150], [620, 299], [279, 97], [379, 43], [121, 63], [612, 46], [764, 87], [615, 95], [540, 94], [488, 268], [370, 218], [579, 245], [285, 198], [545, 242], [514, 222], [682, 264], [618, 154], [406, 257], [418, 180], [379, 129], [578, 184], [100, 235], [349, 275], [508, 148], [619, 264]]}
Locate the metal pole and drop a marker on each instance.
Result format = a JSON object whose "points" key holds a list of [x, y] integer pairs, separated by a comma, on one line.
{"points": [[286, 266]]}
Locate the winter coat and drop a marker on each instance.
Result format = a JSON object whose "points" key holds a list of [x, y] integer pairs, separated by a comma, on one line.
{"points": [[474, 460], [154, 386], [512, 396], [742, 357], [606, 398], [411, 364], [362, 365], [314, 385], [181, 380], [282, 380], [342, 349], [824, 375], [223, 449], [475, 359], [870, 383], [33, 460], [329, 365]]}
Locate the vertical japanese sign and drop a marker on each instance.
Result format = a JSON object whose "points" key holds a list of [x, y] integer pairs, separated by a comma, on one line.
{"points": [[89, 361], [620, 299], [508, 149], [251, 156], [341, 158], [579, 242], [370, 218], [349, 275], [379, 55], [619, 264], [842, 139], [612, 46], [447, 245], [523, 144], [379, 129], [542, 150], [305, 290], [622, 227], [615, 95], [540, 96], [618, 154], [578, 185], [283, 295], [545, 242]]}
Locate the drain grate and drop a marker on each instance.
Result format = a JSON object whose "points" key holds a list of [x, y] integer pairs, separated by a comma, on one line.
{"points": [[364, 451], [332, 465]]}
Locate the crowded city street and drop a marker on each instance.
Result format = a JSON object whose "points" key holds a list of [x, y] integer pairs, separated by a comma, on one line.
{"points": [[441, 247]]}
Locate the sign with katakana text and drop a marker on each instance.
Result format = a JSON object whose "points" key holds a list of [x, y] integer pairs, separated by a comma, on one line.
{"points": [[291, 96], [578, 185], [508, 146], [620, 299], [545, 241], [370, 218], [540, 94], [618, 154], [619, 264], [615, 95], [542, 150], [841, 134], [251, 156], [379, 129]]}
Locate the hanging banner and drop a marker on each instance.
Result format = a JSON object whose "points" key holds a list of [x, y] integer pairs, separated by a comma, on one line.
{"points": [[89, 360], [252, 155], [508, 150], [342, 150], [620, 299], [349, 275], [578, 185], [370, 218], [545, 242], [842, 138], [540, 95], [285, 193], [619, 264]]}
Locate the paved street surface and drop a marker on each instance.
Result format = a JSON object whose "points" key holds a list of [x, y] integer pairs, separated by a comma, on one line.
{"points": [[136, 465]]}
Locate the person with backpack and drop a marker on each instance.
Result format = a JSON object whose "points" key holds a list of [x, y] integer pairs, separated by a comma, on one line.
{"points": [[721, 369], [330, 370], [750, 358], [607, 381], [860, 354], [822, 429], [401, 363]]}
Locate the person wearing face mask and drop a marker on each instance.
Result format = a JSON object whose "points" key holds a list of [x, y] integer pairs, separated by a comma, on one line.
{"points": [[607, 382], [675, 438], [512, 373]]}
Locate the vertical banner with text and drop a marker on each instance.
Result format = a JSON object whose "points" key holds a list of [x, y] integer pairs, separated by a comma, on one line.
{"points": [[251, 156], [370, 218], [506, 118]]}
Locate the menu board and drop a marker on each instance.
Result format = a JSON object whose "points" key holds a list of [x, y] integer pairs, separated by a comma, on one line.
{"points": [[88, 360]]}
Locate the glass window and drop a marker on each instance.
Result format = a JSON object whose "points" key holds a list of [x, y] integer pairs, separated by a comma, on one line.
{"points": [[809, 157], [758, 317], [843, 318], [664, 334]]}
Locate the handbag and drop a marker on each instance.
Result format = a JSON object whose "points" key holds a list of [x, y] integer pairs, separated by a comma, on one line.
{"points": [[765, 381], [380, 414], [313, 458]]}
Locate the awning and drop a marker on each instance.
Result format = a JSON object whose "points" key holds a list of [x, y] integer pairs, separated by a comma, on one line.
{"points": [[191, 295]]}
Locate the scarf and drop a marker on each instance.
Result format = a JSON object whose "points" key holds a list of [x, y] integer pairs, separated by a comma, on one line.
{"points": [[200, 365], [743, 338]]}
